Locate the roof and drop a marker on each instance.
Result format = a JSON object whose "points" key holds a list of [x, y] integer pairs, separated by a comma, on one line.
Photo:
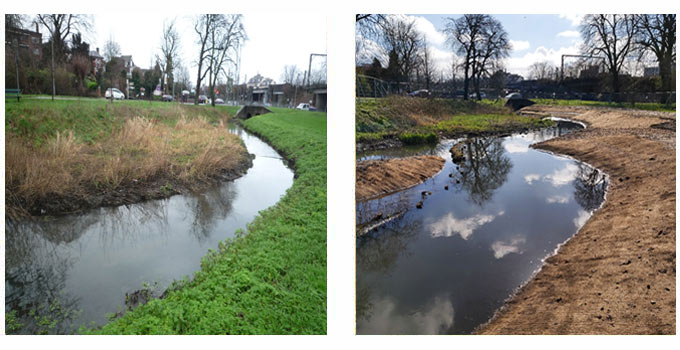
{"points": [[95, 54]]}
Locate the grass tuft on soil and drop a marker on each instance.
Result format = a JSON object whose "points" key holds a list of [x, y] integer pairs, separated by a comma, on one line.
{"points": [[61, 155], [418, 120], [271, 280]]}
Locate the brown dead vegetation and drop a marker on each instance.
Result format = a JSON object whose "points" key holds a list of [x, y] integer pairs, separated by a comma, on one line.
{"points": [[141, 152]]}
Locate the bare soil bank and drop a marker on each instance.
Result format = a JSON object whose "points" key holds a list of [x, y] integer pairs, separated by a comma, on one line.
{"points": [[380, 177], [617, 274]]}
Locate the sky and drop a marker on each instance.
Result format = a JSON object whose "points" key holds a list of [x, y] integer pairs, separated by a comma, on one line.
{"points": [[274, 39], [534, 38]]}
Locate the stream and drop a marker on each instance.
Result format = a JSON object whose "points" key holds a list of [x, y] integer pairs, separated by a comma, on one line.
{"points": [[446, 268], [63, 272]]}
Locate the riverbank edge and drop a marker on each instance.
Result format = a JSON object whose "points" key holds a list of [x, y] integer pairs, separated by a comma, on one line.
{"points": [[134, 192], [539, 295], [393, 140], [262, 221]]}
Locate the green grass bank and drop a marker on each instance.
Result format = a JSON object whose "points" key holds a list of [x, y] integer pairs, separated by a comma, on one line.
{"points": [[270, 279], [64, 156], [417, 120]]}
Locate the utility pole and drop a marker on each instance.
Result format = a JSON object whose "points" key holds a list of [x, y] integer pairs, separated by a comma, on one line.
{"points": [[53, 84], [16, 64], [309, 70]]}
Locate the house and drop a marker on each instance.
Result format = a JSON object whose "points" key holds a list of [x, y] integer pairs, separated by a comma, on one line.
{"points": [[97, 62], [28, 41]]}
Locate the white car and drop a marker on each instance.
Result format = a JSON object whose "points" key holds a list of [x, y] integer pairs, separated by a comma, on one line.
{"points": [[305, 107], [514, 95], [117, 94]]}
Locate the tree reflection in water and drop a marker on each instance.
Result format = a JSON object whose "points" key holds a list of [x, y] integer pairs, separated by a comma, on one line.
{"points": [[35, 277], [209, 207], [379, 255], [590, 186], [484, 169]]}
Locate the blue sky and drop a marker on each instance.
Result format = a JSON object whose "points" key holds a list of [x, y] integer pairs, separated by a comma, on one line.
{"points": [[534, 38]]}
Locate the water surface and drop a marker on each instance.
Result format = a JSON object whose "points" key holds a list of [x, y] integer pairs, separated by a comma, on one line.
{"points": [[76, 269], [445, 268]]}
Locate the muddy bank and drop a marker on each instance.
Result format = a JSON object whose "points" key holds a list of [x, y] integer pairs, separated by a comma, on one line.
{"points": [[162, 186], [617, 274], [380, 177]]}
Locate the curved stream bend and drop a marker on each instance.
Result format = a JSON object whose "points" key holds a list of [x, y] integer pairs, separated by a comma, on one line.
{"points": [[76, 269], [446, 268]]}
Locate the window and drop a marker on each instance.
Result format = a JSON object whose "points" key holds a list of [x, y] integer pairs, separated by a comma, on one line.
{"points": [[36, 52], [35, 40]]}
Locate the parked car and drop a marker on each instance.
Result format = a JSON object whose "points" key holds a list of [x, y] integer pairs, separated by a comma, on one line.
{"points": [[202, 98], [219, 101], [474, 95], [420, 93], [167, 98], [514, 95], [305, 107], [117, 94]]}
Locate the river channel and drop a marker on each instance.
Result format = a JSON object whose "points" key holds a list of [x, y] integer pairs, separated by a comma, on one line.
{"points": [[67, 271], [446, 268]]}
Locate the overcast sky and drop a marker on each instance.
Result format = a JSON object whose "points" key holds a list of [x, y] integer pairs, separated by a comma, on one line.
{"points": [[534, 38], [274, 39]]}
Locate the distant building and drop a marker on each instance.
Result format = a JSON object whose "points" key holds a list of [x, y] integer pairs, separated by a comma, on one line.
{"points": [[97, 62], [29, 41]]}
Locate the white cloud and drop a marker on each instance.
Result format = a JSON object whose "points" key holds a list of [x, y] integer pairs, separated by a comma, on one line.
{"points": [[557, 199], [516, 146], [581, 219], [520, 65], [432, 35], [429, 319], [562, 176], [448, 225], [569, 34], [574, 19], [501, 249], [530, 178], [520, 45]]}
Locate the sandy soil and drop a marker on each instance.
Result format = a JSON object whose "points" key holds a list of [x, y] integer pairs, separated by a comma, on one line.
{"points": [[617, 274], [380, 177]]}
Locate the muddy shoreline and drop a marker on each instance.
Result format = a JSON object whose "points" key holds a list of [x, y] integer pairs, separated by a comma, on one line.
{"points": [[160, 187], [616, 275], [375, 178]]}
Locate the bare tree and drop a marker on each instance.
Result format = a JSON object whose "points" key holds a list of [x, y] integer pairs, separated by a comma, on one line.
{"points": [[426, 63], [543, 70], [290, 72], [224, 42], [111, 49], [203, 25], [169, 53], [464, 34], [111, 52], [481, 41], [60, 27], [657, 35], [368, 27], [611, 37], [402, 37]]}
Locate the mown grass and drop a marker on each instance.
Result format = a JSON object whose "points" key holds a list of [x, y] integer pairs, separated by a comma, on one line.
{"points": [[418, 120], [74, 148], [272, 280]]}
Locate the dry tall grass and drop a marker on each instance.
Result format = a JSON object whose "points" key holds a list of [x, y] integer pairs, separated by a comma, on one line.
{"points": [[141, 151]]}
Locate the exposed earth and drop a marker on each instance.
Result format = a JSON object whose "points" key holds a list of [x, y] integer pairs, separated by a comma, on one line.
{"points": [[381, 177], [617, 274]]}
